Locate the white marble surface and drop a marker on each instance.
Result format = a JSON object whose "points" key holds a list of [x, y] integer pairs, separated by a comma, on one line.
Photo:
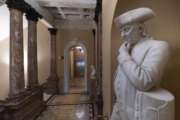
{"points": [[134, 16], [142, 61]]}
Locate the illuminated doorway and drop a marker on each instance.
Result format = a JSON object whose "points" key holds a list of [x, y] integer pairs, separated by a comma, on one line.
{"points": [[75, 67]]}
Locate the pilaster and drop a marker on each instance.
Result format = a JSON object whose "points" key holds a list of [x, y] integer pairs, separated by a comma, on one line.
{"points": [[53, 80]]}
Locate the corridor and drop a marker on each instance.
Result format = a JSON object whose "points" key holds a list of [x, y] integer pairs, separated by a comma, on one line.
{"points": [[50, 60], [59, 58], [73, 106]]}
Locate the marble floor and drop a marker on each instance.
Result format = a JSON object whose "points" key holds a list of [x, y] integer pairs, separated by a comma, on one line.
{"points": [[73, 106], [77, 85]]}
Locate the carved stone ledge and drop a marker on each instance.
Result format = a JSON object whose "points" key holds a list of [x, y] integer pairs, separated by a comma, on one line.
{"points": [[18, 4], [32, 14], [27, 107]]}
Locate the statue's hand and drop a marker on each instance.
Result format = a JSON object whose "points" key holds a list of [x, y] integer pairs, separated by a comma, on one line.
{"points": [[125, 46], [124, 53]]}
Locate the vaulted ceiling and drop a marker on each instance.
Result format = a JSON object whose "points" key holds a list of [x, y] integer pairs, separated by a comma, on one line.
{"points": [[71, 13]]}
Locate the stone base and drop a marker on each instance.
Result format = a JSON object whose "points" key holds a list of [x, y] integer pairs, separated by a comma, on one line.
{"points": [[98, 105], [52, 85], [27, 107]]}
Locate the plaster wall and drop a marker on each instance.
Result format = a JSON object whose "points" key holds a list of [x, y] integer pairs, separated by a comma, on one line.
{"points": [[43, 38], [107, 17], [165, 26], [66, 36]]}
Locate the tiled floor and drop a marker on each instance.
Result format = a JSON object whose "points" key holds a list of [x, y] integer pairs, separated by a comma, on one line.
{"points": [[69, 99], [77, 85], [73, 106]]}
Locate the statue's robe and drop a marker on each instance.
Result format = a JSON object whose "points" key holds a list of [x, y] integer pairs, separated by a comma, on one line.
{"points": [[135, 77]]}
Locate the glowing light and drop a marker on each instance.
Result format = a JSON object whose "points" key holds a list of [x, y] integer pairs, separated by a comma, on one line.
{"points": [[82, 51], [80, 114], [81, 63], [25, 60], [78, 47]]}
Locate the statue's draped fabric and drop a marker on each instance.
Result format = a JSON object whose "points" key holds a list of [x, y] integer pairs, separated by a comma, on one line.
{"points": [[139, 74]]}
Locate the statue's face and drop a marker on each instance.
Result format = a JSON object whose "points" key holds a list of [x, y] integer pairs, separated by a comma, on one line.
{"points": [[130, 33]]}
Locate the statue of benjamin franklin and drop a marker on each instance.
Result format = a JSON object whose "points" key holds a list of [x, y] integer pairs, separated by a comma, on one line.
{"points": [[141, 63]]}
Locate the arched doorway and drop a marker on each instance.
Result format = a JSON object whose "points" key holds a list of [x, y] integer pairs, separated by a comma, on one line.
{"points": [[75, 67]]}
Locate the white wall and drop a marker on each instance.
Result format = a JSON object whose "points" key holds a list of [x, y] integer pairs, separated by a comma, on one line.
{"points": [[107, 17]]}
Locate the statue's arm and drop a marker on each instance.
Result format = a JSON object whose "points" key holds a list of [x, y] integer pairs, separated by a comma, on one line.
{"points": [[147, 75]]}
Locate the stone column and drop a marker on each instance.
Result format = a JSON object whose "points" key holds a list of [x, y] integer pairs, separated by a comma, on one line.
{"points": [[21, 103], [53, 80], [53, 52], [32, 17], [16, 75]]}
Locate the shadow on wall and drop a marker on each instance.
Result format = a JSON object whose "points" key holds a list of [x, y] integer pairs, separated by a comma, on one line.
{"points": [[4, 68], [165, 26]]}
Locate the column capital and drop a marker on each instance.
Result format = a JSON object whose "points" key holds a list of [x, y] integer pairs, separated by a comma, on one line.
{"points": [[18, 4], [32, 14], [53, 30]]}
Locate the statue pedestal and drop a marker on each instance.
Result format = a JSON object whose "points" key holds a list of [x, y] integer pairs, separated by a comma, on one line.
{"points": [[155, 105]]}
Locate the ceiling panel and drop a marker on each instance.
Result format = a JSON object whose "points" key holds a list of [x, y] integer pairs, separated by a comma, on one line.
{"points": [[70, 10]]}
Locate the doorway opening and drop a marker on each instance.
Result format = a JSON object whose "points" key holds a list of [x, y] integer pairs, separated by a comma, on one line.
{"points": [[75, 68]]}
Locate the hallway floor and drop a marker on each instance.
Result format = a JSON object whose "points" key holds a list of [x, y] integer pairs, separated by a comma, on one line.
{"points": [[73, 106]]}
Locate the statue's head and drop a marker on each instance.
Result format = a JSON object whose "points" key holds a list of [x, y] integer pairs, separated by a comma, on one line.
{"points": [[131, 24]]}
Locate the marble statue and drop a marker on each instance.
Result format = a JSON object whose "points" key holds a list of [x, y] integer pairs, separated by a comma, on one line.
{"points": [[93, 72], [141, 63]]}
